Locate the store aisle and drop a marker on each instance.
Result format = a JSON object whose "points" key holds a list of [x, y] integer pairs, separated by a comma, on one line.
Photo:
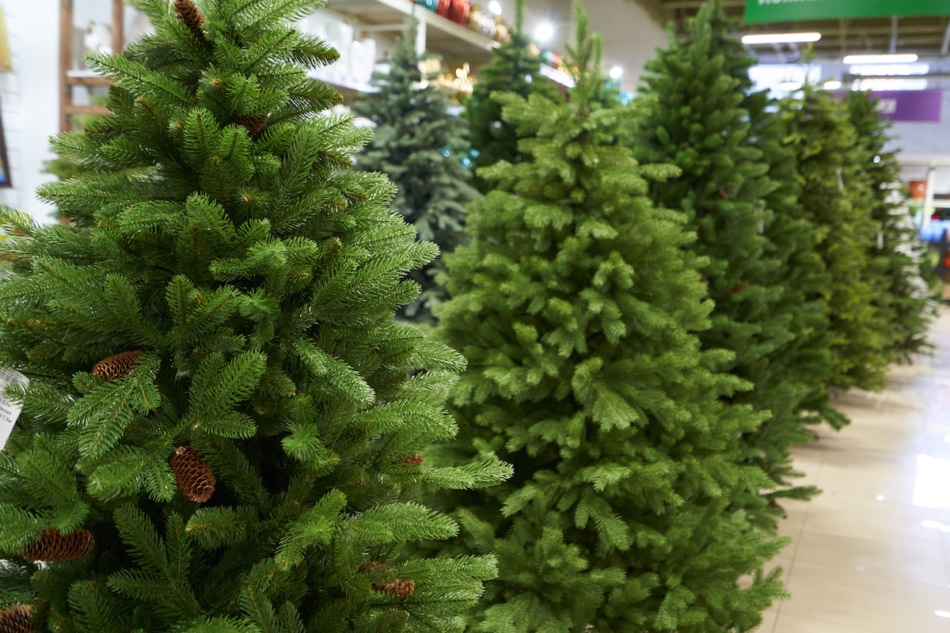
{"points": [[872, 553]]}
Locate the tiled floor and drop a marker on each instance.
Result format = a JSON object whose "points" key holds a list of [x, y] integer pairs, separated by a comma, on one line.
{"points": [[872, 553]]}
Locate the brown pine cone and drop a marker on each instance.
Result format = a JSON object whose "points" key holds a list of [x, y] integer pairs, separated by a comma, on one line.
{"points": [[194, 477], [412, 460], [116, 366], [191, 17], [371, 566], [17, 619], [54, 546], [254, 124], [401, 589], [737, 289]]}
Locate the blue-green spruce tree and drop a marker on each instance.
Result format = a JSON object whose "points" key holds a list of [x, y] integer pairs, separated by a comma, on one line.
{"points": [[223, 423], [512, 68], [578, 305], [420, 146]]}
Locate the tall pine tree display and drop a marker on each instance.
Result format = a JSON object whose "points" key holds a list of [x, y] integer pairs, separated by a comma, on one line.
{"points": [[513, 68], [223, 423], [837, 198], [698, 124], [805, 281], [898, 255], [577, 305], [419, 145]]}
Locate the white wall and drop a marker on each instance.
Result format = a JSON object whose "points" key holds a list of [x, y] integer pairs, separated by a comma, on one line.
{"points": [[30, 99], [631, 36]]}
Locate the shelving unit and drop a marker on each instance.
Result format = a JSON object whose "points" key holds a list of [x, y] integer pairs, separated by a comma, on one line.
{"points": [[436, 34], [71, 78]]}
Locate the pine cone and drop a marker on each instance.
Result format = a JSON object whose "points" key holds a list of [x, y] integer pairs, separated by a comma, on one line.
{"points": [[17, 619], [401, 589], [116, 366], [191, 17], [254, 124], [737, 289], [372, 566], [54, 546], [194, 477], [412, 460]]}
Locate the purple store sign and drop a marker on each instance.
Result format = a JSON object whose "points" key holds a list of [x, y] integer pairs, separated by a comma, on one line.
{"points": [[919, 106]]}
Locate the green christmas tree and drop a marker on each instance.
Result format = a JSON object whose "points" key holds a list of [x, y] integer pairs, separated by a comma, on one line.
{"points": [[807, 356], [419, 145], [699, 124], [223, 423], [837, 198], [898, 256], [577, 305], [512, 68]]}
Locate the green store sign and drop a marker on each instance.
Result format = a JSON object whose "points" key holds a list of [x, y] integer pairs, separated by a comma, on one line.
{"points": [[759, 11]]}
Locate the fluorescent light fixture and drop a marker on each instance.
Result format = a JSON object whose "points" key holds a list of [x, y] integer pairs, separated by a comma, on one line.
{"points": [[616, 73], [495, 7], [942, 614], [780, 38], [896, 83], [544, 33], [899, 58], [890, 70], [832, 85]]}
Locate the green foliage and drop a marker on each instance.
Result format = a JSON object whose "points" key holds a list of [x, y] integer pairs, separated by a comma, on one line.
{"points": [[512, 68], [578, 305], [837, 198], [217, 227], [420, 146], [898, 255], [699, 122]]}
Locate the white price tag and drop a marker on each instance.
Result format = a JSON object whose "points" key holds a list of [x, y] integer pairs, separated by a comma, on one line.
{"points": [[9, 411]]}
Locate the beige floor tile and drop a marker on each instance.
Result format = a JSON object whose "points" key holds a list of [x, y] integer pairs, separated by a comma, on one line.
{"points": [[864, 516], [869, 475], [888, 556], [864, 600], [768, 622], [804, 624]]}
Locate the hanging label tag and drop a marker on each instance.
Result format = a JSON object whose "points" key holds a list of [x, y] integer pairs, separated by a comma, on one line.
{"points": [[9, 411]]}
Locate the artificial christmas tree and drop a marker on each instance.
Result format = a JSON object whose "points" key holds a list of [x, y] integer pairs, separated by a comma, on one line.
{"points": [[698, 123], [235, 458], [420, 146], [577, 305], [513, 68], [898, 256], [836, 197]]}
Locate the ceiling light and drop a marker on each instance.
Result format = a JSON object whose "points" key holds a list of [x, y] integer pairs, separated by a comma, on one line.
{"points": [[790, 85], [616, 73], [780, 38], [900, 58], [544, 33], [891, 70], [942, 614], [890, 84], [832, 85], [495, 7]]}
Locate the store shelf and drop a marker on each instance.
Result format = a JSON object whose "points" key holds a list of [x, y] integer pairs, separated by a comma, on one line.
{"points": [[443, 35]]}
